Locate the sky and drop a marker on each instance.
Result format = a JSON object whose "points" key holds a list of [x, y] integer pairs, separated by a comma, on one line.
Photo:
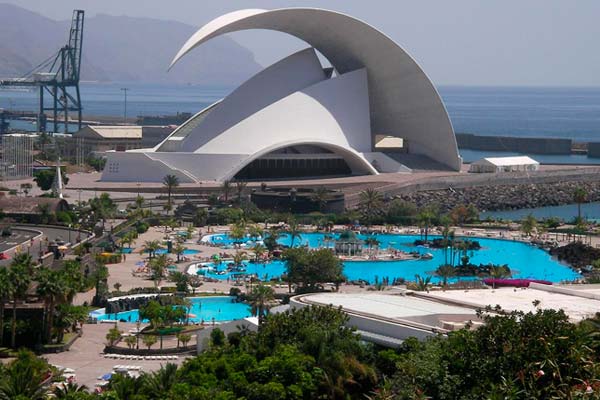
{"points": [[457, 42]]}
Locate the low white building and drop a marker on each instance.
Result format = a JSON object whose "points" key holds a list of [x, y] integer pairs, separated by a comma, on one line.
{"points": [[504, 164]]}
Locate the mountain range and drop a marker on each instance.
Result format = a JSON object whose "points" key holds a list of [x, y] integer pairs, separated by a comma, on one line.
{"points": [[121, 49]]}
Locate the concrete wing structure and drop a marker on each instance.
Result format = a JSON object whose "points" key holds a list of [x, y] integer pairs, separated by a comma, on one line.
{"points": [[296, 118]]}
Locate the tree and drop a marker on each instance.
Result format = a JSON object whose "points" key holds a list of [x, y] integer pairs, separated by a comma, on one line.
{"points": [[579, 196], [150, 247], [181, 281], [294, 231], [45, 178], [528, 225], [200, 217], [102, 208], [184, 338], [50, 285], [238, 258], [178, 249], [170, 182], [237, 233], [195, 282], [401, 212], [130, 341], [260, 300], [71, 391], [239, 188], [158, 266], [370, 205], [259, 250], [422, 283], [226, 189], [149, 341], [158, 384], [6, 289], [310, 267], [20, 274], [320, 196], [445, 271], [425, 218], [113, 335]]}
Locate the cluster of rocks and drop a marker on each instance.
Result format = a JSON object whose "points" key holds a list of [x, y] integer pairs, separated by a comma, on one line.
{"points": [[504, 197], [577, 254], [130, 303]]}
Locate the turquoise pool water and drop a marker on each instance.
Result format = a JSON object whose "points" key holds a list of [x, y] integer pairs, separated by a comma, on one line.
{"points": [[186, 252], [221, 308], [525, 261]]}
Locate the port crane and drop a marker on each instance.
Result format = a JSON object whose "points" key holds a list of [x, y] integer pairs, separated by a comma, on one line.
{"points": [[58, 76]]}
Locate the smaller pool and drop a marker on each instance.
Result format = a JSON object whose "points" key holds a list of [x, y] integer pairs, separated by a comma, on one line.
{"points": [[186, 252], [204, 309]]}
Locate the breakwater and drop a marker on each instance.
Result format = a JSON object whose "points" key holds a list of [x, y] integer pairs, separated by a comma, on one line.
{"points": [[526, 145], [504, 197]]}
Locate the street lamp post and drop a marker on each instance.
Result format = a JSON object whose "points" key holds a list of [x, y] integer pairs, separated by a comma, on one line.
{"points": [[125, 105]]}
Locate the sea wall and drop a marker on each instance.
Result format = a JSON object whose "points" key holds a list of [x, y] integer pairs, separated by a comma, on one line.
{"points": [[514, 144]]}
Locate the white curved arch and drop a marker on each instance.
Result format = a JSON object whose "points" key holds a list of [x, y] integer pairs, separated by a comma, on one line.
{"points": [[357, 163], [403, 101]]}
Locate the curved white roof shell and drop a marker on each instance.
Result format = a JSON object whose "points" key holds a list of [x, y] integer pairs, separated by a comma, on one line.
{"points": [[295, 105], [403, 101]]}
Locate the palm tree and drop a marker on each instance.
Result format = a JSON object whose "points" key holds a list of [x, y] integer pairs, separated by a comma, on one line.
{"points": [[294, 231], [422, 284], [22, 382], [69, 391], [170, 182], [445, 271], [370, 204], [371, 242], [50, 285], [150, 247], [499, 272], [20, 275], [239, 188], [320, 196], [528, 225], [178, 249], [425, 217], [159, 383], [258, 251], [158, 266], [6, 288], [238, 258], [579, 196], [260, 299], [226, 189]]}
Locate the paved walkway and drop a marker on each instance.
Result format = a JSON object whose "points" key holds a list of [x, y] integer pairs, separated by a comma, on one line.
{"points": [[86, 359]]}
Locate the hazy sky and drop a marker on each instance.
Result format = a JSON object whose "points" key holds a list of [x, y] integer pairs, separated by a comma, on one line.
{"points": [[465, 42]]}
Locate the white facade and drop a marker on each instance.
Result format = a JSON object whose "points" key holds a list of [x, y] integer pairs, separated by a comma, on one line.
{"points": [[504, 164], [295, 104]]}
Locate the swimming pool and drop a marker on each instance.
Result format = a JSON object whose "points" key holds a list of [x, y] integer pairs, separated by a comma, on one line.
{"points": [[525, 261], [221, 308], [186, 252]]}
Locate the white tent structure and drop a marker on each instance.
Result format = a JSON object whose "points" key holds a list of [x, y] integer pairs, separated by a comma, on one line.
{"points": [[504, 164]]}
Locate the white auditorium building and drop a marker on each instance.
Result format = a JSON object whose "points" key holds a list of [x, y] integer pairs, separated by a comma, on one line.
{"points": [[297, 118]]}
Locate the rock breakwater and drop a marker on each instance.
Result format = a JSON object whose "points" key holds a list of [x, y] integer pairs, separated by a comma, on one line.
{"points": [[504, 197]]}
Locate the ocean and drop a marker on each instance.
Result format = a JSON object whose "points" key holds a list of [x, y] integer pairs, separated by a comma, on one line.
{"points": [[511, 111]]}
